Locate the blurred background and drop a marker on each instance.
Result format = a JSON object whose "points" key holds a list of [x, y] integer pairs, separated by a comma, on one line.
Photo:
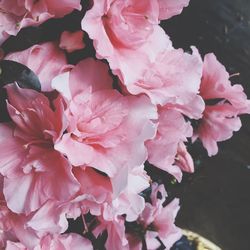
{"points": [[215, 201]]}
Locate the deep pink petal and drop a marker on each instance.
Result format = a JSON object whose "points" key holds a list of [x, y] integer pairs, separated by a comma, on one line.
{"points": [[72, 41]]}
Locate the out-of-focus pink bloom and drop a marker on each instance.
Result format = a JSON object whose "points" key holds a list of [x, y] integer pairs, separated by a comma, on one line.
{"points": [[173, 80], [126, 32], [221, 119], [164, 149], [33, 170], [157, 221], [72, 41], [46, 60], [16, 14], [63, 242], [105, 128], [169, 8]]}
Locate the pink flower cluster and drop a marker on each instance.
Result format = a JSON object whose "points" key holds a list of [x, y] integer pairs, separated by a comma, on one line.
{"points": [[78, 148]]}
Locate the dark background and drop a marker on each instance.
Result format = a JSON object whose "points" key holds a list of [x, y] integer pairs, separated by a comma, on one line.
{"points": [[215, 200]]}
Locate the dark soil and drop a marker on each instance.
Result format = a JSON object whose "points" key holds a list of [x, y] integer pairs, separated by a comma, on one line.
{"points": [[215, 200]]}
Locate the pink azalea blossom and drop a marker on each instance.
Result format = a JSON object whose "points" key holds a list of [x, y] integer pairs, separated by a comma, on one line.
{"points": [[72, 41], [51, 218], [116, 233], [129, 202], [173, 80], [46, 60], [167, 146], [105, 128], [219, 120], [126, 32], [96, 195], [17, 14], [63, 242], [157, 221], [33, 170]]}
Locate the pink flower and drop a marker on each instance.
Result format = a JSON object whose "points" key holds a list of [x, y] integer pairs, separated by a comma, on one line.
{"points": [[63, 242], [16, 14], [46, 60], [72, 41], [219, 119], [156, 221], [164, 149], [33, 170], [96, 195], [96, 190], [129, 202], [126, 32], [173, 80], [105, 128]]}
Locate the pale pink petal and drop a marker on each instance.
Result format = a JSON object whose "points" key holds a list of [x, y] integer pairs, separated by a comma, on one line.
{"points": [[84, 75], [28, 192], [216, 84], [116, 233], [162, 150], [168, 232], [218, 124], [51, 217], [169, 8], [77, 152], [61, 84], [15, 246], [174, 79], [70, 241], [224, 103]]}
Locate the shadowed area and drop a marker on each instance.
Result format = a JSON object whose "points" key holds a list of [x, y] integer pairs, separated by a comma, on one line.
{"points": [[215, 200]]}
